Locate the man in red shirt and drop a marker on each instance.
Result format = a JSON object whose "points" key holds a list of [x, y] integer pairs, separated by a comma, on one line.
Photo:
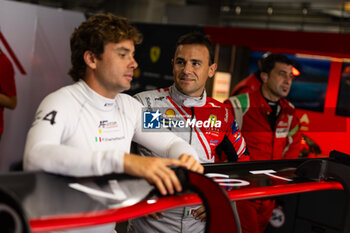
{"points": [[253, 83], [270, 126], [8, 95]]}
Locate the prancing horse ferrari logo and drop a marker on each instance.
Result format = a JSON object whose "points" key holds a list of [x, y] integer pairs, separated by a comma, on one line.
{"points": [[155, 54]]}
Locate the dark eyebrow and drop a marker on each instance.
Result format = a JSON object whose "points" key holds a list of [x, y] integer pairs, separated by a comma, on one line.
{"points": [[126, 50], [196, 60], [285, 72], [123, 49], [192, 60]]}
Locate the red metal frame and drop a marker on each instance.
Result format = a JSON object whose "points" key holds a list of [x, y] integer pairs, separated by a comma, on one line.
{"points": [[220, 216], [277, 190], [146, 207]]}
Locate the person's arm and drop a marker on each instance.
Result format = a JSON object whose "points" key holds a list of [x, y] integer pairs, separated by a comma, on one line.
{"points": [[157, 171], [167, 145], [239, 105], [54, 122], [312, 145], [45, 149], [164, 143], [293, 146], [234, 140], [235, 137], [9, 102]]}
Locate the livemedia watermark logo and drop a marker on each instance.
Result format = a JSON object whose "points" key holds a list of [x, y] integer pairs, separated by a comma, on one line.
{"points": [[169, 120], [151, 120]]}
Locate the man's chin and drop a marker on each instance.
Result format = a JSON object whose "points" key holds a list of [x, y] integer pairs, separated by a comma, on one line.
{"points": [[185, 90], [284, 95], [124, 88]]}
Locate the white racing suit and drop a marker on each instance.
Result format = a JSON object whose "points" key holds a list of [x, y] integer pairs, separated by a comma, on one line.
{"points": [[78, 132], [209, 140]]}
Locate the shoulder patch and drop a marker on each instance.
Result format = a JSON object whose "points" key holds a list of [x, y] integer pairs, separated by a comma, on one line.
{"points": [[243, 100]]}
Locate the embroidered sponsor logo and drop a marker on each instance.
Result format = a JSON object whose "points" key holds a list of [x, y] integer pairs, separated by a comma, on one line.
{"points": [[281, 132], [238, 137], [107, 139], [190, 212], [107, 131], [282, 124], [213, 118], [170, 113], [214, 142], [234, 127], [159, 98], [148, 102], [105, 124], [108, 104]]}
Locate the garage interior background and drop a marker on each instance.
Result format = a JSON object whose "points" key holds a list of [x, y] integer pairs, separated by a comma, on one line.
{"points": [[323, 15]]}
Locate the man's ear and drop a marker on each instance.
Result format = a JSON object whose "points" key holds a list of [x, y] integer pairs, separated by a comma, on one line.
{"points": [[212, 69], [90, 59], [263, 77]]}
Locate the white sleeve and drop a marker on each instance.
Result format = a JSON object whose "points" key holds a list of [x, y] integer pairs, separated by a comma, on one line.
{"points": [[165, 144], [45, 147]]}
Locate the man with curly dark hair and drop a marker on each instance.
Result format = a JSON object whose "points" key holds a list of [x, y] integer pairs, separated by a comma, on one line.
{"points": [[86, 129]]}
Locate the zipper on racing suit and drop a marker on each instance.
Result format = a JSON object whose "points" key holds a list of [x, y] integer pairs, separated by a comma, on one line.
{"points": [[192, 116]]}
